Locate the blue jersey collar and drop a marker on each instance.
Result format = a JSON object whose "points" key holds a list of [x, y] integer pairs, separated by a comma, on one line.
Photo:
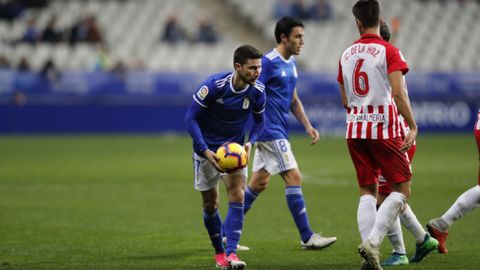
{"points": [[281, 57]]}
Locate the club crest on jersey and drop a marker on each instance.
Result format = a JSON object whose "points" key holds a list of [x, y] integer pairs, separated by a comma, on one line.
{"points": [[246, 103], [202, 92]]}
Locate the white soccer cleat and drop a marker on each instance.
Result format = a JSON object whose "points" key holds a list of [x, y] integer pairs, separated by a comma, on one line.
{"points": [[317, 241], [239, 247], [371, 255]]}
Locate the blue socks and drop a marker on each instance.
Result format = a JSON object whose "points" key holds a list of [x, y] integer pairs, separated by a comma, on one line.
{"points": [[233, 226], [296, 204], [250, 197], [213, 223]]}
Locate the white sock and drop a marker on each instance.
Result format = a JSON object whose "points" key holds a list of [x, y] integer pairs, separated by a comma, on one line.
{"points": [[410, 221], [469, 200], [386, 214], [367, 210], [395, 236]]}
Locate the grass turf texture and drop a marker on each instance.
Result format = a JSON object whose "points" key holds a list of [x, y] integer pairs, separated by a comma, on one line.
{"points": [[127, 202]]}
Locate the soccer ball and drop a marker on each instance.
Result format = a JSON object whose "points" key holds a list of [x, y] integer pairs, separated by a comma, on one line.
{"points": [[232, 157]]}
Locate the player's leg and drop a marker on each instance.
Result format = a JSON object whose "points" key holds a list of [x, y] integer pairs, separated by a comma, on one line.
{"points": [[262, 161], [258, 183], [468, 201], [367, 177], [396, 169], [424, 242], [394, 233], [206, 181], [235, 186], [298, 210], [213, 223]]}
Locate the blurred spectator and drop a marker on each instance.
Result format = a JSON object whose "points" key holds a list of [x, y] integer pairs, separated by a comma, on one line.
{"points": [[94, 34], [321, 10], [173, 31], [11, 9], [23, 65], [103, 61], [281, 9], [299, 10], [206, 32], [85, 30], [395, 30], [78, 32], [50, 33], [31, 34], [50, 71], [120, 69], [4, 63]]}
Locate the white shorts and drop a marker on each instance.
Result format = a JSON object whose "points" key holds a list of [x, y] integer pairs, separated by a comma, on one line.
{"points": [[206, 176], [274, 156]]}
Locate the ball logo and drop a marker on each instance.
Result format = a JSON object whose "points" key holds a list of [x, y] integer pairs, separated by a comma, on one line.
{"points": [[203, 92], [246, 103]]}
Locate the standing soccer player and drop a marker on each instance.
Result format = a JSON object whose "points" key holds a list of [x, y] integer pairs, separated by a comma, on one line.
{"points": [[372, 88], [273, 153], [219, 113], [468, 201], [425, 243]]}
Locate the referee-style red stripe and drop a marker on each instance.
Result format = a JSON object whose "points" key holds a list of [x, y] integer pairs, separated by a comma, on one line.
{"points": [[397, 124], [350, 125], [369, 124], [359, 126], [390, 121], [380, 125]]}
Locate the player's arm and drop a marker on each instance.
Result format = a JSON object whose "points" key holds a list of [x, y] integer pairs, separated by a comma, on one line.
{"points": [[297, 109], [194, 130], [403, 104], [256, 130], [258, 121]]}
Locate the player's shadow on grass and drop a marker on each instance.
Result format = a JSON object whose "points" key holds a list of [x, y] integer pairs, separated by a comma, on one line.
{"points": [[170, 254]]}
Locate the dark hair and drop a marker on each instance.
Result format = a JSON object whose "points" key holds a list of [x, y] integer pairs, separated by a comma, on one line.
{"points": [[285, 26], [245, 52], [367, 12], [385, 32]]}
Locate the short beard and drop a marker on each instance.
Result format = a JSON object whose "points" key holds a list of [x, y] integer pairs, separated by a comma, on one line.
{"points": [[244, 79]]}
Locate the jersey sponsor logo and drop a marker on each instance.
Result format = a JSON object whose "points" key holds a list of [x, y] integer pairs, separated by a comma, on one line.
{"points": [[202, 92], [366, 117], [246, 103]]}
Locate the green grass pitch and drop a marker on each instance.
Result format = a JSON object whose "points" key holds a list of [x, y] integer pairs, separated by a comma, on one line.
{"points": [[127, 202]]}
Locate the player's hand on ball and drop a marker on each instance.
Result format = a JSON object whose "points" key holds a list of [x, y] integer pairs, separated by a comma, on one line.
{"points": [[409, 140], [248, 147], [313, 133], [213, 159]]}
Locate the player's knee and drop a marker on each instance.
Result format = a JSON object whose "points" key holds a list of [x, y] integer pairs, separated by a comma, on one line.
{"points": [[259, 186], [236, 195], [210, 206], [292, 177]]}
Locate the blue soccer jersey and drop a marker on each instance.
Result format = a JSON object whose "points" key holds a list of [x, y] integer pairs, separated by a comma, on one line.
{"points": [[280, 79], [220, 114]]}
